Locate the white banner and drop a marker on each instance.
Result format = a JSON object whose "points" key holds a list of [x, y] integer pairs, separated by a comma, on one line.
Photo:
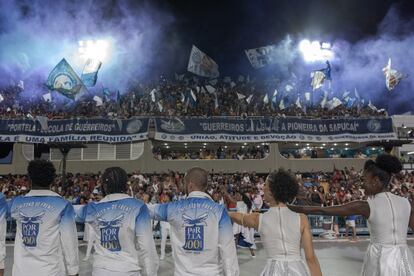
{"points": [[202, 65]]}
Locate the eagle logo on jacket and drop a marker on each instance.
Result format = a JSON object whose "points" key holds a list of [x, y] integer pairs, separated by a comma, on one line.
{"points": [[30, 228], [110, 232]]}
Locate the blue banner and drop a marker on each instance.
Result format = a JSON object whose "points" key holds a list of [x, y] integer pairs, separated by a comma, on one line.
{"points": [[41, 130], [273, 129]]}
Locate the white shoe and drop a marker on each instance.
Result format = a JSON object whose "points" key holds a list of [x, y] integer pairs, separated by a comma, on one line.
{"points": [[162, 258], [86, 258]]}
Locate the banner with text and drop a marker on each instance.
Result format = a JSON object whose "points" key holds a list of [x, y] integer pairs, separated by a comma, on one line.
{"points": [[273, 129], [41, 130]]}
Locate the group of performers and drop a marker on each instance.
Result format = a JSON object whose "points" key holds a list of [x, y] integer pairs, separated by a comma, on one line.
{"points": [[201, 231]]}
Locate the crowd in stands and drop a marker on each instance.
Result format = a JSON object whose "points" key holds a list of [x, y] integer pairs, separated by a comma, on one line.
{"points": [[243, 153], [182, 97], [317, 188]]}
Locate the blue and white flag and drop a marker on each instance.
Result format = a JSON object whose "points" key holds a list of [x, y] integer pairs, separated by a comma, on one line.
{"points": [[392, 76], [106, 92], [319, 76], [21, 85], [249, 99], [201, 64], [90, 72], [1, 98], [350, 103], [65, 80]]}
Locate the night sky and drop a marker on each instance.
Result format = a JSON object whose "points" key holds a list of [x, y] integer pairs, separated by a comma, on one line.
{"points": [[223, 29]]}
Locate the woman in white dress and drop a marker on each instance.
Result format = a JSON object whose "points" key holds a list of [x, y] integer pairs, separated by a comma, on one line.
{"points": [[388, 215], [282, 231]]}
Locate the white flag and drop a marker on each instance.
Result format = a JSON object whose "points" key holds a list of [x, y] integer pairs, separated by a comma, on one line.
{"points": [[153, 94], [216, 102], [21, 84], [282, 105], [325, 99], [307, 96], [43, 120], [373, 107], [193, 96], [392, 76], [334, 103], [210, 89], [182, 98], [357, 94], [1, 98], [98, 101], [160, 106], [266, 99], [297, 103], [240, 96], [288, 88], [232, 84], [201, 64], [345, 96], [47, 97], [249, 99]]}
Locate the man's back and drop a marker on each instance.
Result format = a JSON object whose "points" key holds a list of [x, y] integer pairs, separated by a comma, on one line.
{"points": [[45, 229], [199, 228]]}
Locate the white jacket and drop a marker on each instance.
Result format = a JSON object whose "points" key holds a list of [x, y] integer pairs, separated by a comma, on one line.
{"points": [[122, 229], [46, 231], [200, 228]]}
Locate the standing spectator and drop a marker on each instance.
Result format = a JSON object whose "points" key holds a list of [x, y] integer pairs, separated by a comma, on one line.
{"points": [[46, 229]]}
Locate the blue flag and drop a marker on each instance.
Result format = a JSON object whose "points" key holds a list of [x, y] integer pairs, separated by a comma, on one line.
{"points": [[90, 72], [65, 80], [106, 92]]}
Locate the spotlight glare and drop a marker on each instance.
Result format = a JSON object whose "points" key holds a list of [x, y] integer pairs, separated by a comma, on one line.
{"points": [[94, 49], [315, 50]]}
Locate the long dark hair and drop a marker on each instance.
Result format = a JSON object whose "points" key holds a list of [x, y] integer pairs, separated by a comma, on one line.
{"points": [[114, 180], [247, 201]]}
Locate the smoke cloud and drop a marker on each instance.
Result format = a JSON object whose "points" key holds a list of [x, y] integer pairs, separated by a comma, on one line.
{"points": [[36, 35]]}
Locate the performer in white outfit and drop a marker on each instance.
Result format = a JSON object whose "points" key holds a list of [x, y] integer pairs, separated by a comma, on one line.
{"points": [[122, 228], [201, 231], [388, 215], [282, 230], [46, 229]]}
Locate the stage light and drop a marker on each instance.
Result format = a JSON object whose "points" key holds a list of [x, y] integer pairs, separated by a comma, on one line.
{"points": [[98, 49], [315, 50]]}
